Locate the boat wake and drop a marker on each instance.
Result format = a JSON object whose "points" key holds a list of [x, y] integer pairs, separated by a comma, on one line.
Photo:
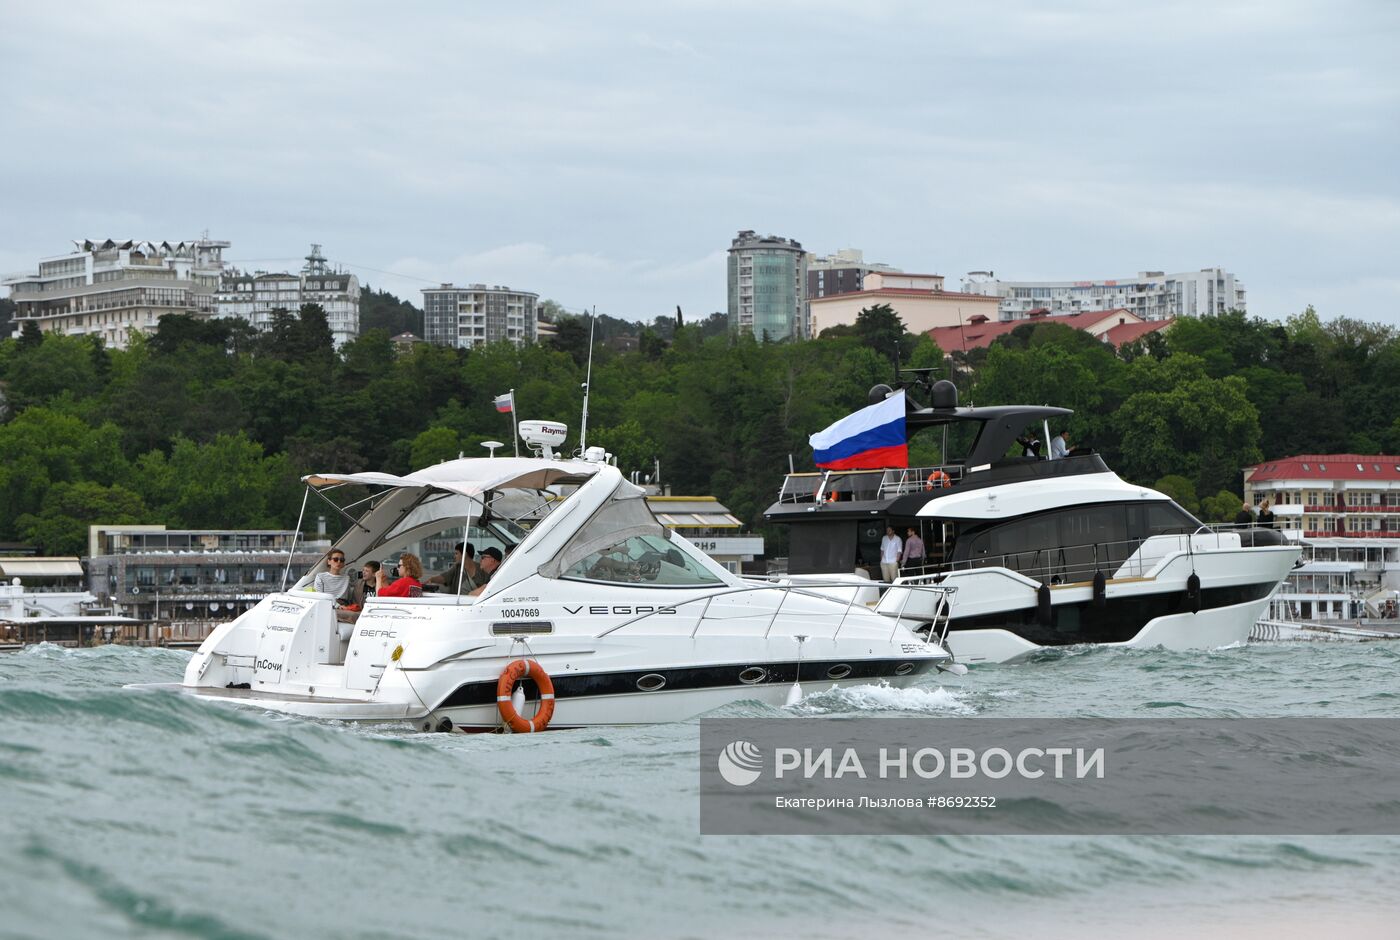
{"points": [[853, 700]]}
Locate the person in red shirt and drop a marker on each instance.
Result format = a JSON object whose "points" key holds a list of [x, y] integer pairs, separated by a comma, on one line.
{"points": [[410, 582]]}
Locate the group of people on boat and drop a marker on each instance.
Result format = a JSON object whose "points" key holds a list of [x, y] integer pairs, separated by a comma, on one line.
{"points": [[896, 554], [1263, 516], [1059, 445], [468, 575]]}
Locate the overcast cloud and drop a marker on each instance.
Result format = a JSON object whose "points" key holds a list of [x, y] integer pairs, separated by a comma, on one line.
{"points": [[607, 153]]}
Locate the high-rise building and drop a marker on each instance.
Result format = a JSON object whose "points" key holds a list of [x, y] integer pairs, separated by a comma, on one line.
{"points": [[254, 295], [476, 315], [767, 286], [1151, 295], [109, 288]]}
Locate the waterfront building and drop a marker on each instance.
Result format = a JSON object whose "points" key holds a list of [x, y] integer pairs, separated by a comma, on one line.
{"points": [[255, 295], [1345, 509], [46, 600], [476, 315], [1114, 327], [713, 529], [767, 287], [110, 288], [32, 586], [841, 273], [176, 577], [919, 299], [1151, 295]]}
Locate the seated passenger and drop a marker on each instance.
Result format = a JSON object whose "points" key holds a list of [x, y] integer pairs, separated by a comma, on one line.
{"points": [[333, 581], [410, 582], [464, 573], [490, 561], [364, 589], [369, 583], [1059, 446]]}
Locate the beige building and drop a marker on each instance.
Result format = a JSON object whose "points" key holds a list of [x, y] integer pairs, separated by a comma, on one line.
{"points": [[110, 288], [919, 299]]}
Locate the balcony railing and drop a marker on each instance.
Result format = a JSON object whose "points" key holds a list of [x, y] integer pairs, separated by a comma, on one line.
{"points": [[1347, 534], [1325, 510]]}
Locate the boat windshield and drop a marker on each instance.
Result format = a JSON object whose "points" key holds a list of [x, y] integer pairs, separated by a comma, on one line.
{"points": [[641, 559], [623, 543]]}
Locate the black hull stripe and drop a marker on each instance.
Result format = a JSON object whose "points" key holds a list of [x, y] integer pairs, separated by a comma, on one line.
{"points": [[1119, 620], [591, 685]]}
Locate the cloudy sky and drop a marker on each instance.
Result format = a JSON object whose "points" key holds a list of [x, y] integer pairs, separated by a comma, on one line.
{"points": [[605, 153]]}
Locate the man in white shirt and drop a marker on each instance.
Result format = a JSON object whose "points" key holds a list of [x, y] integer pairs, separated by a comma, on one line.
{"points": [[890, 548], [1059, 445]]}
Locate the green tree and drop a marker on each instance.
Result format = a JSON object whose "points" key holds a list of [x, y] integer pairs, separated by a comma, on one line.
{"points": [[1221, 507], [60, 527], [381, 310], [1181, 490], [225, 483], [1181, 421], [56, 366], [43, 448], [30, 335], [880, 328], [435, 445]]}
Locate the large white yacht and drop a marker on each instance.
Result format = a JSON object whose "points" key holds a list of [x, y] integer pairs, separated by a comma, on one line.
{"points": [[1043, 553], [598, 611]]}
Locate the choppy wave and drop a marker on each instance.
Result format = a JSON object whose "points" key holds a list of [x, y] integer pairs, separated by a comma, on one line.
{"points": [[136, 813]]}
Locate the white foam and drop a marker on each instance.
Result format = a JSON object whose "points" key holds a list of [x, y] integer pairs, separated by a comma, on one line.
{"points": [[885, 698]]}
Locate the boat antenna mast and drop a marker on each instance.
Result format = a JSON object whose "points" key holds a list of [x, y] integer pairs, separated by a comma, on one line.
{"points": [[588, 380]]}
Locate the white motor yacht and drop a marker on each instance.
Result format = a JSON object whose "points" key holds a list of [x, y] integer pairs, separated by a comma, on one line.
{"points": [[1044, 553], [596, 604]]}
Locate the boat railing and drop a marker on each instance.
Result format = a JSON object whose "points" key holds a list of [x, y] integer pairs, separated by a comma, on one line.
{"points": [[1072, 564], [919, 479], [830, 486], [942, 595]]}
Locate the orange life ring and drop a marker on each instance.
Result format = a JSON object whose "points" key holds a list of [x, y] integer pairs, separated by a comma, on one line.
{"points": [[938, 480], [512, 674]]}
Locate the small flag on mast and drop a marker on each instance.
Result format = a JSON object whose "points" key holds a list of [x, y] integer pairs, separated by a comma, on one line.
{"points": [[505, 403]]}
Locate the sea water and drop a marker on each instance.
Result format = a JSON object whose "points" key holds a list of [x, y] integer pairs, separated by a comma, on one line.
{"points": [[153, 814]]}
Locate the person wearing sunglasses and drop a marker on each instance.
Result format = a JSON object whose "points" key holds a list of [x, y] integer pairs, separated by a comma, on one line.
{"points": [[333, 581]]}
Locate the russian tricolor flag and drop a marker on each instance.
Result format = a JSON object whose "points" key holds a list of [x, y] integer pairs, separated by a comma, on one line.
{"points": [[506, 402], [872, 438]]}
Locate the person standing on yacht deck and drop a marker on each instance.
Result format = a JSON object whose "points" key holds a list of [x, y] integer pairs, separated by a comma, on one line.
{"points": [[890, 548], [913, 557], [1059, 445], [1266, 515]]}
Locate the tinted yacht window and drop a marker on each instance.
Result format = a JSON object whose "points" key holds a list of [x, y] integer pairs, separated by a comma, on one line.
{"points": [[1169, 519]]}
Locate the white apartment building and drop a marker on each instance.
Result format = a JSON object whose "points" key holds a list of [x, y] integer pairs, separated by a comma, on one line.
{"points": [[476, 315], [1345, 509], [1151, 295], [255, 295], [109, 288]]}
